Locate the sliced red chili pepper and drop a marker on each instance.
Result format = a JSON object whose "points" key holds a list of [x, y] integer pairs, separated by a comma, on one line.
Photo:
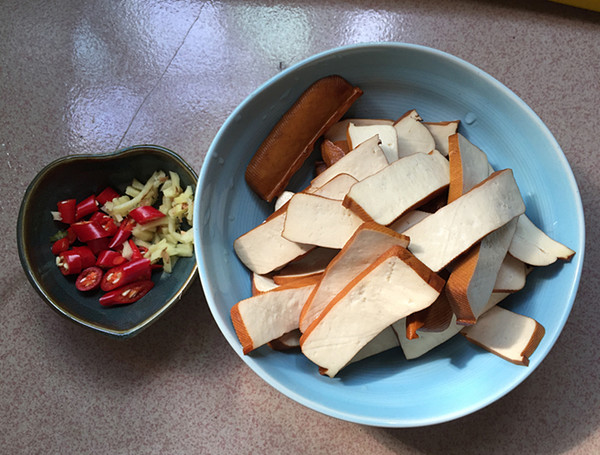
{"points": [[89, 279], [60, 245], [126, 273], [129, 293], [107, 222], [122, 233], [71, 235], [106, 195], [69, 263], [66, 209], [156, 266], [88, 258], [135, 251], [98, 245], [145, 214], [86, 207], [88, 230], [108, 259]]}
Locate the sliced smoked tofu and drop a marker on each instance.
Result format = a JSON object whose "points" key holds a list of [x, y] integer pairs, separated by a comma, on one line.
{"points": [[512, 336], [338, 131], [511, 276], [468, 166], [263, 249], [318, 220], [441, 131], [336, 188], [368, 243], [392, 287], [388, 140], [412, 135], [532, 246], [444, 235], [364, 160], [269, 315], [395, 189]]}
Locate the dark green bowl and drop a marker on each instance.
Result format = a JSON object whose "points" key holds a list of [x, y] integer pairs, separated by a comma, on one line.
{"points": [[78, 176]]}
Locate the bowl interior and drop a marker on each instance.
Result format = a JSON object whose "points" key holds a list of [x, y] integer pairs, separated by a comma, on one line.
{"points": [[455, 378], [78, 176]]}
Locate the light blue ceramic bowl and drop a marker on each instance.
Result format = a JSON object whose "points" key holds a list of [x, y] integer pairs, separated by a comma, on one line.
{"points": [[456, 378]]}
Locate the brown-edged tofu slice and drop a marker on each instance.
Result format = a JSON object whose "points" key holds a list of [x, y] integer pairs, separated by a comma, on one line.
{"points": [[444, 235], [338, 131], [392, 287], [511, 276], [364, 160], [412, 135], [312, 263], [388, 140], [293, 138], [534, 247], [267, 316], [509, 335], [441, 131], [399, 187], [262, 283], [263, 249], [368, 243], [320, 221]]}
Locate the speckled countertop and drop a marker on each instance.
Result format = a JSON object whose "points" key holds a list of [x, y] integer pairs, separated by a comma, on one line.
{"points": [[94, 76]]}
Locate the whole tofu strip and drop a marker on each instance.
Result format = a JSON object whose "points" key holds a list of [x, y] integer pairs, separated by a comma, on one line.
{"points": [[472, 279], [511, 276], [267, 316], [263, 249], [357, 134], [320, 221], [368, 243], [392, 287], [532, 246], [413, 136], [404, 184], [364, 160], [426, 341], [509, 335], [337, 187], [338, 131], [293, 138], [453, 229], [441, 131]]}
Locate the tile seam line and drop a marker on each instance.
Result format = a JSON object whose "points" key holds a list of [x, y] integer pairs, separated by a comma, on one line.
{"points": [[119, 145]]}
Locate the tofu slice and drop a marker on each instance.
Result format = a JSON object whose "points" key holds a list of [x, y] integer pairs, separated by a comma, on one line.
{"points": [[282, 199], [320, 221], [263, 249], [267, 316], [468, 166], [368, 243], [444, 235], [435, 318], [312, 263], [512, 336], [364, 160], [441, 131], [331, 152], [262, 283], [399, 187], [336, 188], [428, 340], [338, 131], [356, 134], [472, 279], [385, 340], [511, 276], [407, 220], [532, 246], [394, 286], [413, 136]]}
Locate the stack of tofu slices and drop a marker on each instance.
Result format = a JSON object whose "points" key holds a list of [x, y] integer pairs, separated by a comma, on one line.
{"points": [[405, 238]]}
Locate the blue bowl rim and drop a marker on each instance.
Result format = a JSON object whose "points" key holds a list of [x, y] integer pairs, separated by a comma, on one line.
{"points": [[232, 339], [38, 286]]}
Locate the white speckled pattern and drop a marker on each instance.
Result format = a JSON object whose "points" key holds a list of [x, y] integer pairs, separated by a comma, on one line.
{"points": [[95, 76]]}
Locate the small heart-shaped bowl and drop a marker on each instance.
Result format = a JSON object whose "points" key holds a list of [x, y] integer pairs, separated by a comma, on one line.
{"points": [[78, 176]]}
